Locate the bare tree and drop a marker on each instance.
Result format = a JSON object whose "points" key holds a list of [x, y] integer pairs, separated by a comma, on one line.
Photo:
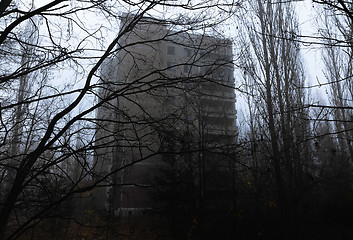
{"points": [[40, 127], [274, 84], [338, 72]]}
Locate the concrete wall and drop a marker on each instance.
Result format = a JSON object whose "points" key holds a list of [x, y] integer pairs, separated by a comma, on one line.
{"points": [[166, 83]]}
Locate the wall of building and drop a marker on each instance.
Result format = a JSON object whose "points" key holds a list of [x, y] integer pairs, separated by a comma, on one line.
{"points": [[175, 102]]}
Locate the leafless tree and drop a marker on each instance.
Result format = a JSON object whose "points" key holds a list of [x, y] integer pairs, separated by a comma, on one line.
{"points": [[53, 55], [338, 71], [274, 86]]}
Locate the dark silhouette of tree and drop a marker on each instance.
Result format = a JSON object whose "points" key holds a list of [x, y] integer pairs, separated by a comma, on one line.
{"points": [[273, 84], [53, 55]]}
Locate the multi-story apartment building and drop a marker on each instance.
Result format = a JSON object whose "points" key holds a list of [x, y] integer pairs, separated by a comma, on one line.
{"points": [[173, 108]]}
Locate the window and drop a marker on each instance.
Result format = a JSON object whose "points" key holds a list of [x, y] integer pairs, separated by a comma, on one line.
{"points": [[189, 118], [171, 66], [203, 70], [187, 85], [187, 52], [170, 99], [187, 68], [171, 50]]}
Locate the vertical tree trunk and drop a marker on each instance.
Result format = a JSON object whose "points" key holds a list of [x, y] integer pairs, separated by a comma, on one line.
{"points": [[271, 123]]}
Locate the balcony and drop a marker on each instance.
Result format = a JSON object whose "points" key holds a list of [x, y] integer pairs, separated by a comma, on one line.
{"points": [[219, 96], [222, 132], [220, 112]]}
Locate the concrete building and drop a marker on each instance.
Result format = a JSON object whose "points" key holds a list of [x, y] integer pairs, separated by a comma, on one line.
{"points": [[173, 107]]}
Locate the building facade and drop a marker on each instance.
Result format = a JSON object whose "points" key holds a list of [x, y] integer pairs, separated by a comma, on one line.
{"points": [[171, 115]]}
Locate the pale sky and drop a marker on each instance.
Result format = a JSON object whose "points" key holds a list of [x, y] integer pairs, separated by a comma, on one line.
{"points": [[307, 13]]}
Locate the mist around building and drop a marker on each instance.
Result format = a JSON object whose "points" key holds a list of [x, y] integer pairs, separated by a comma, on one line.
{"points": [[132, 128]]}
